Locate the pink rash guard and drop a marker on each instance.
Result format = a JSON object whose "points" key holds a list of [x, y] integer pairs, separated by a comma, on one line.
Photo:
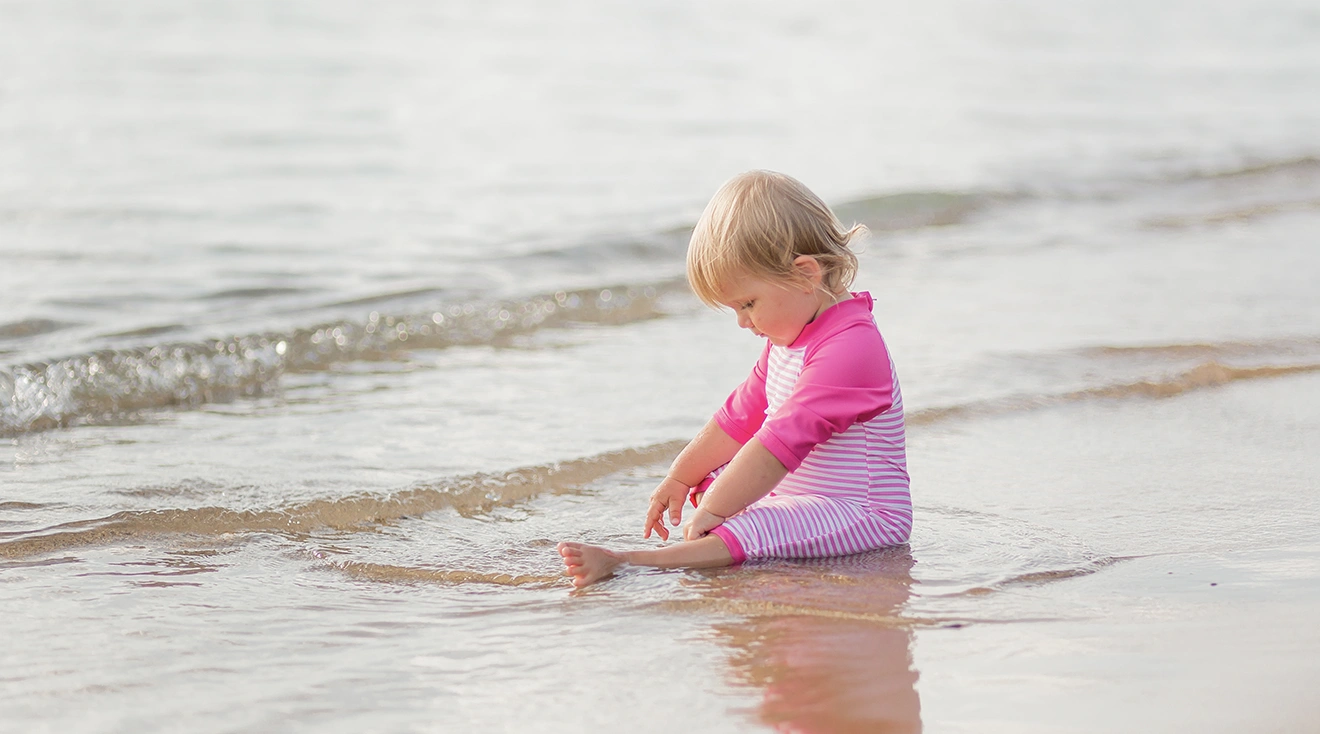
{"points": [[828, 406]]}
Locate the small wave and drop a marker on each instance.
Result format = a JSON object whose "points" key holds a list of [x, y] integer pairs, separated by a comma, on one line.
{"points": [[388, 297], [108, 385], [912, 210], [1240, 195], [185, 488], [253, 293], [1037, 578], [386, 573], [145, 331], [30, 327], [15, 505], [469, 496], [1302, 165], [1208, 374], [1236, 216], [1266, 348], [1205, 375]]}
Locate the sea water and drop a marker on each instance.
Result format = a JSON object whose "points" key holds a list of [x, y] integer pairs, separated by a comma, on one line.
{"points": [[322, 322]]}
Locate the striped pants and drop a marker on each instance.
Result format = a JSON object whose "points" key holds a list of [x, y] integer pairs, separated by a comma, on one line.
{"points": [[808, 526]]}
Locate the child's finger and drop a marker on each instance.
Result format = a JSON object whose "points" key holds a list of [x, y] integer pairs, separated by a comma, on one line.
{"points": [[654, 523], [675, 512]]}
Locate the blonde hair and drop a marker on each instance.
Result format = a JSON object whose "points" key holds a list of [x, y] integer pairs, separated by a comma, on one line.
{"points": [[757, 224]]}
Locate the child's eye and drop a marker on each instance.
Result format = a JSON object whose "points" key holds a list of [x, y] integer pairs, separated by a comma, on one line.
{"points": [[748, 305]]}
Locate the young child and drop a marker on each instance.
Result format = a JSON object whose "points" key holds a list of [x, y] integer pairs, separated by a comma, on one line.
{"points": [[806, 458]]}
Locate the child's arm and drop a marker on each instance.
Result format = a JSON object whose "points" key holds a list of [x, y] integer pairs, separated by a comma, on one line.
{"points": [[752, 473], [711, 449]]}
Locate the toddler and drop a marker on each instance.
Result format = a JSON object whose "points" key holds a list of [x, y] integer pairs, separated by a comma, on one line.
{"points": [[806, 458]]}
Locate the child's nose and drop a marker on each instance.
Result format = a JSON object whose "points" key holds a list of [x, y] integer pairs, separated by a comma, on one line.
{"points": [[744, 321]]}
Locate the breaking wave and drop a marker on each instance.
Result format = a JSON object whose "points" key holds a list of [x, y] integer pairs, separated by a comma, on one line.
{"points": [[469, 496], [387, 573], [1205, 375], [110, 384]]}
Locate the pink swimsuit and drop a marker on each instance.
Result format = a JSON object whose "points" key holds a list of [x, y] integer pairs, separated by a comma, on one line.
{"points": [[829, 407]]}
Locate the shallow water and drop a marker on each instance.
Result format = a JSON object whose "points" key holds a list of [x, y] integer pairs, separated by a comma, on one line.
{"points": [[320, 324]]}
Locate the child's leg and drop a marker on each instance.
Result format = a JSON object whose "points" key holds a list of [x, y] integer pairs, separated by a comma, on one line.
{"points": [[588, 564], [811, 526]]}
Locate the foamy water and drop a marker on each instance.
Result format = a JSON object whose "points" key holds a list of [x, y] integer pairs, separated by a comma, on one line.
{"points": [[320, 324]]}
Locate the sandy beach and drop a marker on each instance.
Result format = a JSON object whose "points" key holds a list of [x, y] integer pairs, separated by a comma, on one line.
{"points": [[321, 324]]}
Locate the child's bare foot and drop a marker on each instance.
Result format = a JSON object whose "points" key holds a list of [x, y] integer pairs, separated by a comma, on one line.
{"points": [[587, 564]]}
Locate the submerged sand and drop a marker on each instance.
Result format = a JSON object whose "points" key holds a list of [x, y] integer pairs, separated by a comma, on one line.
{"points": [[1182, 610], [1144, 563]]}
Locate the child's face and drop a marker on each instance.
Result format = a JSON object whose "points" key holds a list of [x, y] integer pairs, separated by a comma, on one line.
{"points": [[775, 310]]}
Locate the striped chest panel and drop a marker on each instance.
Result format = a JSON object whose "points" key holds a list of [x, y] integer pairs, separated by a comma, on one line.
{"points": [[867, 463]]}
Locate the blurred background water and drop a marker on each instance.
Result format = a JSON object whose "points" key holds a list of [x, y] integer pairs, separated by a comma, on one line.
{"points": [[321, 322]]}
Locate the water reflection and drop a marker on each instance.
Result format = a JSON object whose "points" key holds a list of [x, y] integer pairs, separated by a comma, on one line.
{"points": [[826, 642]]}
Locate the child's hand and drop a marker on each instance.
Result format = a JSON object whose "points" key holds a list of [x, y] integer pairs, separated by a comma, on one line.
{"points": [[703, 521], [668, 496]]}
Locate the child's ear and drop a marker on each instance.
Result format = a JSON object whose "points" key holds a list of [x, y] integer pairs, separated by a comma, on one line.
{"points": [[809, 268]]}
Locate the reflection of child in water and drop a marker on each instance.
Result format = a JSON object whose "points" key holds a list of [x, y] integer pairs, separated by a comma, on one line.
{"points": [[828, 642], [806, 459]]}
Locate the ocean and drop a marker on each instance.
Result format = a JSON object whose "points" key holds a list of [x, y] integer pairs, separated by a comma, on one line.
{"points": [[321, 323]]}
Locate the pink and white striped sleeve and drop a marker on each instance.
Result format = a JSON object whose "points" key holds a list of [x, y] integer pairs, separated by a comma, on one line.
{"points": [[846, 379], [744, 412]]}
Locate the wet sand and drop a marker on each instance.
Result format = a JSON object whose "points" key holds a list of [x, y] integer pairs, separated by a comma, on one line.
{"points": [[321, 323], [1186, 618], [1109, 564]]}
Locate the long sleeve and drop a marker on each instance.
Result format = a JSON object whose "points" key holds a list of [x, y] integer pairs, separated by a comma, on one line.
{"points": [[846, 379], [744, 411]]}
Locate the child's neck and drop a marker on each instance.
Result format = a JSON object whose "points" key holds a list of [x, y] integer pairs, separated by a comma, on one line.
{"points": [[827, 300]]}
